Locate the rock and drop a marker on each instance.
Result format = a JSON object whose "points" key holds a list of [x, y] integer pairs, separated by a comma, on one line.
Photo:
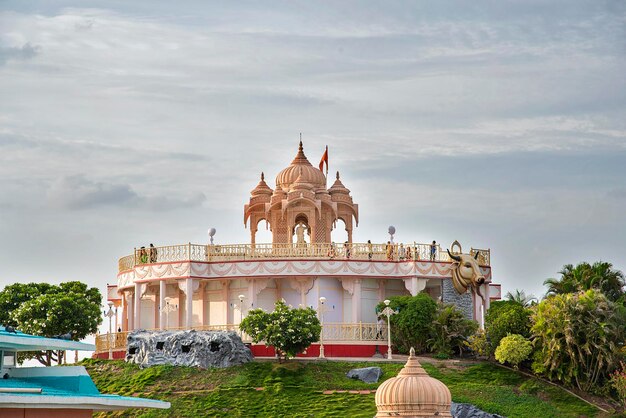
{"points": [[465, 410], [366, 374], [192, 348]]}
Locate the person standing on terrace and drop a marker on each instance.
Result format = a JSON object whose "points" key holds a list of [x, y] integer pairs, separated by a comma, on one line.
{"points": [[433, 250]]}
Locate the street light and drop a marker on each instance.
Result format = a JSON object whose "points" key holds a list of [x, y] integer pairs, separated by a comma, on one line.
{"points": [[388, 312], [321, 308], [110, 314], [168, 308], [241, 298]]}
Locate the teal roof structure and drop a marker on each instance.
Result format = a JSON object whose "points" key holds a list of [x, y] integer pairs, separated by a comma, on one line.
{"points": [[18, 341]]}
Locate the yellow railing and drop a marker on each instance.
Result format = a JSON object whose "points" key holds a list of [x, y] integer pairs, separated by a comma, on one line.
{"points": [[242, 252], [332, 332]]}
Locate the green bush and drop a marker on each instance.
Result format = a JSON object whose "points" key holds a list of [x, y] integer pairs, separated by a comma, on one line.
{"points": [[450, 330], [289, 330], [411, 326], [513, 349], [503, 318], [478, 344], [618, 382], [578, 337]]}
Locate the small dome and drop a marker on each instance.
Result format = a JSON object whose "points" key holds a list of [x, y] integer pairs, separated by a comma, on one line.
{"points": [[338, 187], [261, 188], [413, 394], [300, 167]]}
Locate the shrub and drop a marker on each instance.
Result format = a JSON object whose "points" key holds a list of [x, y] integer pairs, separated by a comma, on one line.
{"points": [[450, 330], [578, 337], [411, 326], [618, 381], [503, 318], [290, 331], [478, 344], [513, 349]]}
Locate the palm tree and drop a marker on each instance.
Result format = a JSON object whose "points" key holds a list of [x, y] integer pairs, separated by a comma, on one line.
{"points": [[601, 276], [520, 297]]}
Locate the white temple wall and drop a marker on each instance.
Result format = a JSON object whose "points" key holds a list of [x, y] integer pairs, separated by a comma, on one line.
{"points": [[197, 302], [172, 318], [331, 289], [369, 300], [395, 288], [291, 295], [215, 307], [237, 287], [267, 298], [146, 317]]}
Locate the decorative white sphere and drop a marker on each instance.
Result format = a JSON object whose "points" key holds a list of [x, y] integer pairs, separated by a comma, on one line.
{"points": [[391, 230], [387, 302], [212, 231], [322, 299]]}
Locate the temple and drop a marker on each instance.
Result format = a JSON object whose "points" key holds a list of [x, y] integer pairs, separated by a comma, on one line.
{"points": [[212, 286]]}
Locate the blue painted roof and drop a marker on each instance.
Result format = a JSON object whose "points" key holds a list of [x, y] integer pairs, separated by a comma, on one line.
{"points": [[18, 341], [77, 390]]}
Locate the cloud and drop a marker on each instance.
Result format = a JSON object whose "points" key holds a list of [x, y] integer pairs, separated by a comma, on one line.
{"points": [[25, 52], [76, 192]]}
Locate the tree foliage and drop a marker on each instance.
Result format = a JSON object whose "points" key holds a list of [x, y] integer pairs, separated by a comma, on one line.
{"points": [[578, 337], [513, 349], [289, 330], [51, 310], [450, 329], [503, 318], [521, 297], [412, 325], [599, 275]]}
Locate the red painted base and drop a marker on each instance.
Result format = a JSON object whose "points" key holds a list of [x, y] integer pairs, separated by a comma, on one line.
{"points": [[330, 350], [260, 350], [117, 355]]}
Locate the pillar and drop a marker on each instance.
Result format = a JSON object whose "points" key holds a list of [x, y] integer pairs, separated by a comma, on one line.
{"points": [[130, 311], [162, 313], [137, 319], [356, 301], [225, 284], [189, 302]]}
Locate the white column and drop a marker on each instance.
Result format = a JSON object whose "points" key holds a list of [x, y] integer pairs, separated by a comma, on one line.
{"points": [[225, 284], [189, 302], [137, 320], [130, 311], [356, 301], [162, 313]]}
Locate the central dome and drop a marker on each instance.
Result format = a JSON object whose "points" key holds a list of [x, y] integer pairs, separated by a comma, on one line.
{"points": [[300, 167]]}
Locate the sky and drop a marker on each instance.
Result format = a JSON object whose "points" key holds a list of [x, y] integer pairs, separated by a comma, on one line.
{"points": [[498, 124]]}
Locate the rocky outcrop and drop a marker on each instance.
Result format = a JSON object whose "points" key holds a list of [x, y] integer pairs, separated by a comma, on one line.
{"points": [[366, 374], [192, 348], [465, 410]]}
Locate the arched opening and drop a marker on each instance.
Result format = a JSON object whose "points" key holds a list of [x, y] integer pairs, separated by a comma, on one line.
{"points": [[339, 234], [263, 234], [301, 233]]}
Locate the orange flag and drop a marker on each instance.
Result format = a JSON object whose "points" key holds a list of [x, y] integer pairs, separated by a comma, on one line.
{"points": [[324, 160]]}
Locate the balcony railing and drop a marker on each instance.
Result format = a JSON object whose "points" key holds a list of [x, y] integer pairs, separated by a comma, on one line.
{"points": [[243, 252], [361, 333]]}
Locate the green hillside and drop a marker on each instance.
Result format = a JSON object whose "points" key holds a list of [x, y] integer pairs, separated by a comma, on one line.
{"points": [[298, 389]]}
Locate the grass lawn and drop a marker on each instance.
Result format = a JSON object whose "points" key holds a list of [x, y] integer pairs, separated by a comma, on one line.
{"points": [[296, 390]]}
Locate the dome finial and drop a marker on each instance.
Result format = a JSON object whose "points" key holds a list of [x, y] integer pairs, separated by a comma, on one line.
{"points": [[412, 352], [337, 175], [262, 175], [300, 146]]}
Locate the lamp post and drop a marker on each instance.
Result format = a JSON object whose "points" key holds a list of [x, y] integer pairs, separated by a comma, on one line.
{"points": [[388, 312], [322, 308], [241, 298], [169, 308], [110, 314]]}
